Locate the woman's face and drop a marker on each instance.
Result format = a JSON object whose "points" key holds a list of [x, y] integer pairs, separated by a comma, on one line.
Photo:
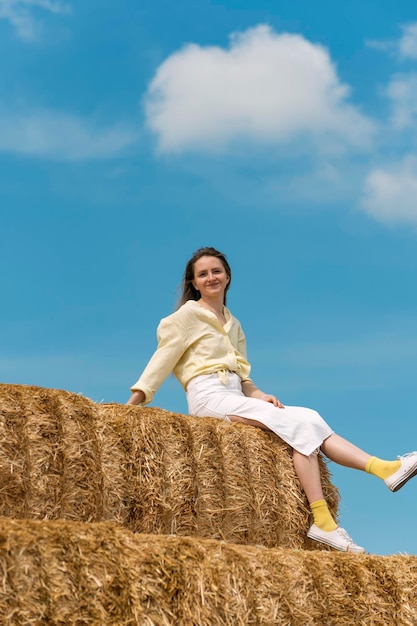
{"points": [[210, 277]]}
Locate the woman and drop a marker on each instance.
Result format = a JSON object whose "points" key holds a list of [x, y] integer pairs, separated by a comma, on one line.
{"points": [[204, 345]]}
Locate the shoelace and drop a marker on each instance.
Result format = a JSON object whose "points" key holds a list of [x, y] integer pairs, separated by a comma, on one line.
{"points": [[345, 535], [404, 456]]}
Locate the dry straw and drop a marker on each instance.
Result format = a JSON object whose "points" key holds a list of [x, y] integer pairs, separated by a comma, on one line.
{"points": [[64, 457], [65, 573]]}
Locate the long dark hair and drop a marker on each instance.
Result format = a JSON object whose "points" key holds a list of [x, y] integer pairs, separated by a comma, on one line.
{"points": [[188, 292]]}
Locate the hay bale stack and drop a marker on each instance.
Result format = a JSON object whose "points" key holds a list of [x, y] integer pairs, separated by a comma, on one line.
{"points": [[101, 574], [64, 457]]}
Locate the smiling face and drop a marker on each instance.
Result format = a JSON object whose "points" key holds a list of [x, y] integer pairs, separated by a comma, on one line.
{"points": [[210, 278]]}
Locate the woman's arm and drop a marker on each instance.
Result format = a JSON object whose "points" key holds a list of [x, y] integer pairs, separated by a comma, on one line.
{"points": [[251, 391], [171, 346]]}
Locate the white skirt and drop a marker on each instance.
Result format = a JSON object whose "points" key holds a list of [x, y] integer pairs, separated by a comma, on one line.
{"points": [[303, 429]]}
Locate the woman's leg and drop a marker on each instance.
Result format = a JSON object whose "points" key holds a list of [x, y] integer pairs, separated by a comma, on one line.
{"points": [[249, 422], [308, 473], [343, 452], [394, 473], [306, 467], [325, 529]]}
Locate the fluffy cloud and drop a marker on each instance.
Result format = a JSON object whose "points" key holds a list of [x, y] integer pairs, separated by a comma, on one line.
{"points": [[20, 14], [266, 88], [407, 45], [402, 91], [390, 195], [60, 137]]}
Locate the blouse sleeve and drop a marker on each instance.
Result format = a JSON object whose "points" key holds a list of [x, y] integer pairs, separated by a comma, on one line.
{"points": [[241, 346], [241, 343], [171, 346]]}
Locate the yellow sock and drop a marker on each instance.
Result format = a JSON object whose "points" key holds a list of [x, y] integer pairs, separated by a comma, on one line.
{"points": [[380, 468], [322, 516]]}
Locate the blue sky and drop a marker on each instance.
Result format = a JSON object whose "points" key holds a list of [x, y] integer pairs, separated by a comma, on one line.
{"points": [[282, 133]]}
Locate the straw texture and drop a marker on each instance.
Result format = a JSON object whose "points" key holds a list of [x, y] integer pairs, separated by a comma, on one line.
{"points": [[65, 573], [64, 457], [215, 501]]}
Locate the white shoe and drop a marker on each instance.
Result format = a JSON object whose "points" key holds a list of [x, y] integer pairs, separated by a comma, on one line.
{"points": [[407, 470], [338, 539]]}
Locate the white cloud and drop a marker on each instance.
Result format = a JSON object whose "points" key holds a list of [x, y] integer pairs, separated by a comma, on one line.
{"points": [[407, 45], [390, 195], [60, 137], [381, 45], [402, 91], [266, 87], [20, 14]]}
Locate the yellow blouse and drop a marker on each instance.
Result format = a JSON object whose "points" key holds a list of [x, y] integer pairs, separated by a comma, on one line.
{"points": [[192, 342]]}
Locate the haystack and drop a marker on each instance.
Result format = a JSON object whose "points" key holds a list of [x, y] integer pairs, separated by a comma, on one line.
{"points": [[64, 457], [101, 574]]}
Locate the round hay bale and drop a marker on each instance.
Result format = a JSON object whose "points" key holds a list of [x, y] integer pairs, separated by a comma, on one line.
{"points": [[64, 457], [99, 573]]}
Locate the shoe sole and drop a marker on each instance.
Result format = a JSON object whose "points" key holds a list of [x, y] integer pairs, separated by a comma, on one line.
{"points": [[333, 545], [397, 486]]}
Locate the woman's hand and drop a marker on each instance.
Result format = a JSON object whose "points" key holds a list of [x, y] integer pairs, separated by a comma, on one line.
{"points": [[137, 397], [267, 397], [251, 391]]}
